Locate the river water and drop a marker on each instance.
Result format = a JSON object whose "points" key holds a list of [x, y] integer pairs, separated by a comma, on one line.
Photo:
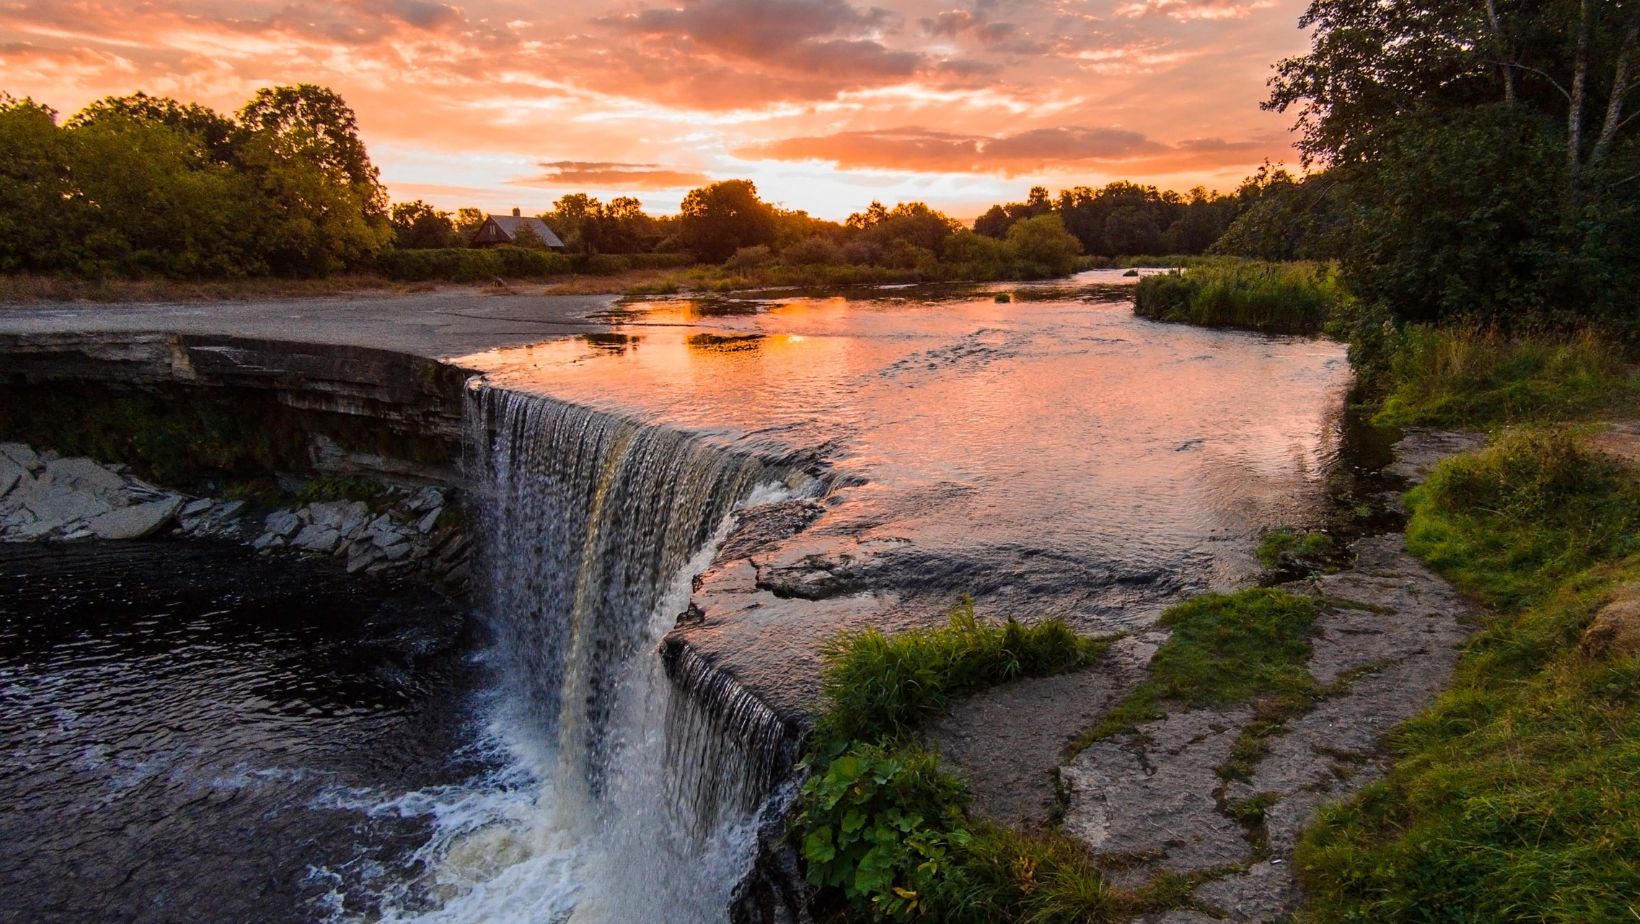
{"points": [[191, 736]]}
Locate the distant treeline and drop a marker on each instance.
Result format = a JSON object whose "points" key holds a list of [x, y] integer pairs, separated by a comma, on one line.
{"points": [[149, 186]]}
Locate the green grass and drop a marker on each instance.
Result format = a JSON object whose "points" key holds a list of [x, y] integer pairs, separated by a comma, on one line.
{"points": [[1516, 797], [1225, 649], [1311, 546], [884, 832], [880, 686], [1274, 297], [1480, 378], [1521, 517]]}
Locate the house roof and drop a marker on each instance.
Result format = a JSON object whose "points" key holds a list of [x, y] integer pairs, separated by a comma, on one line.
{"points": [[509, 224]]}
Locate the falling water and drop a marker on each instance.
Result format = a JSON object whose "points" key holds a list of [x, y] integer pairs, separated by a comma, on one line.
{"points": [[631, 791]]}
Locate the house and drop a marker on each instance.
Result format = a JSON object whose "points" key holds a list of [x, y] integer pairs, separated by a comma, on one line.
{"points": [[505, 229]]}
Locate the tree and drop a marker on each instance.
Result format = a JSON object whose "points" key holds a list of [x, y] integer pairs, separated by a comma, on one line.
{"points": [[1374, 64], [40, 224], [214, 132], [1044, 244], [1488, 146], [324, 207], [315, 124], [721, 218], [158, 202], [417, 225]]}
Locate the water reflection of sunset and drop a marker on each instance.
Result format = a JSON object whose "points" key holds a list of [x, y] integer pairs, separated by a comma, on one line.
{"points": [[1063, 428]]}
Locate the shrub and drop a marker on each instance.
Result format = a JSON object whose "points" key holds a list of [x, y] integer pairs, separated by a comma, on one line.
{"points": [[460, 264], [812, 250], [750, 257], [1274, 297]]}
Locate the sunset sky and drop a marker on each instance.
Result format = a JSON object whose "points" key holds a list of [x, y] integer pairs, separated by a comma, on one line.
{"points": [[826, 104]]}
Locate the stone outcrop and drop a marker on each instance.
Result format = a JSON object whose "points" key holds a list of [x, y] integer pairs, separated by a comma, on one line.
{"points": [[406, 530]]}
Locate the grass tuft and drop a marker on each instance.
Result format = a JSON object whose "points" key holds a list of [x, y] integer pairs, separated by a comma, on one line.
{"points": [[1225, 649], [881, 686]]}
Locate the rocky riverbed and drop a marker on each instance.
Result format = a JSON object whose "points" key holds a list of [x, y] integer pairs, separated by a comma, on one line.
{"points": [[405, 530]]}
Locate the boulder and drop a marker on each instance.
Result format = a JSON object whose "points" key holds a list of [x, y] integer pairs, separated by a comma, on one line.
{"points": [[10, 474], [425, 499], [355, 519], [316, 538], [1615, 631], [282, 523], [22, 455], [135, 521], [426, 523]]}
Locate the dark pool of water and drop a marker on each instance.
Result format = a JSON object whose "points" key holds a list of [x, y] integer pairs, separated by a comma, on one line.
{"points": [[175, 720]]}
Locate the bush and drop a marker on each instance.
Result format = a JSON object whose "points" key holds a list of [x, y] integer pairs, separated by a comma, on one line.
{"points": [[658, 260], [603, 264], [1273, 297], [750, 257], [811, 251], [460, 264]]}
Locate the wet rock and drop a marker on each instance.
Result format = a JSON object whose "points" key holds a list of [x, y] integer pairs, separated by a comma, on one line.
{"points": [[1007, 742], [362, 556], [1421, 449], [1615, 631], [396, 552], [136, 521], [197, 507]]}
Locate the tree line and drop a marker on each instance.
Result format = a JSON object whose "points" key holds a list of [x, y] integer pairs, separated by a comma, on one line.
{"points": [[144, 185]]}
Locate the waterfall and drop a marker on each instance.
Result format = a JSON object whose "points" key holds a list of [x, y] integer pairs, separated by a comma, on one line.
{"points": [[647, 771]]}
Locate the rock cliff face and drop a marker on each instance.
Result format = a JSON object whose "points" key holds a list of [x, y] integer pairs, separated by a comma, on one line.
{"points": [[354, 410]]}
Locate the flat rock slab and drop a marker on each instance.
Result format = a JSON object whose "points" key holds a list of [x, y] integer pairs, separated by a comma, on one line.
{"points": [[136, 521], [1150, 801], [1008, 742]]}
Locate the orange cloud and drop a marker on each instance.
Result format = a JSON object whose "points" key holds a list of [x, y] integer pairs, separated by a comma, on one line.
{"points": [[575, 174], [1036, 150]]}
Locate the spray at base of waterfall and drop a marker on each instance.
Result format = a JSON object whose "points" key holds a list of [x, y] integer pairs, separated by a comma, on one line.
{"points": [[671, 836]]}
